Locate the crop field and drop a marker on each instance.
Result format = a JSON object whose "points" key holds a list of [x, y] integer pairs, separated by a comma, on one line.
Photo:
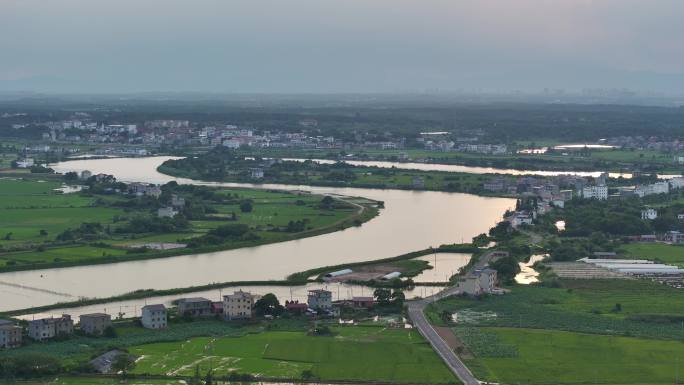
{"points": [[637, 308], [82, 347], [354, 353], [66, 380], [672, 254], [29, 206], [557, 357], [69, 253]]}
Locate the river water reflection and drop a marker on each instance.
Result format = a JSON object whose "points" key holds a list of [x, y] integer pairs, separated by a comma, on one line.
{"points": [[411, 221]]}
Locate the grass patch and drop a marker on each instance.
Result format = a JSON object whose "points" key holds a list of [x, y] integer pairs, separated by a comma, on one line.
{"points": [[670, 254], [354, 353], [587, 306]]}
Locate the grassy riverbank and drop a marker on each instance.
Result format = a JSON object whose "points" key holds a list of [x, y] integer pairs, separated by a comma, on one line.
{"points": [[35, 218], [615, 160], [226, 165]]}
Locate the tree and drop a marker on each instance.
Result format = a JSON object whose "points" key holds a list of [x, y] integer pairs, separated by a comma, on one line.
{"points": [[506, 268], [246, 206], [123, 363], [398, 298], [71, 176], [383, 296], [268, 305], [209, 378], [327, 201], [307, 374], [196, 378]]}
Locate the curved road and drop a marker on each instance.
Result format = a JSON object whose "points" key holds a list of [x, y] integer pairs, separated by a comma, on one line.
{"points": [[417, 315]]}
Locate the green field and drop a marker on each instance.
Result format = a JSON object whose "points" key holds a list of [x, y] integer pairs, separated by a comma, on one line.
{"points": [[671, 254], [67, 380], [646, 309], [33, 214], [354, 353], [555, 357]]}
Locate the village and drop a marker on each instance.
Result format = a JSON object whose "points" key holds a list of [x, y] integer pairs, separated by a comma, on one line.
{"points": [[241, 306]]}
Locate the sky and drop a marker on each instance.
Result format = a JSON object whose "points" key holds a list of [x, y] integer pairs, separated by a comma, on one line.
{"points": [[331, 46]]}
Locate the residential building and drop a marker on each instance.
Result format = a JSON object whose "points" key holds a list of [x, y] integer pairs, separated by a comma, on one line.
{"points": [[363, 302], [487, 278], [520, 219], [95, 323], [166, 212], [10, 335], [296, 307], [566, 194], [599, 192], [85, 174], [177, 201], [256, 173], [651, 189], [479, 282], [495, 184], [418, 182], [46, 328], [677, 182], [25, 163], [239, 305], [320, 299], [154, 316], [195, 307], [674, 237], [649, 214]]}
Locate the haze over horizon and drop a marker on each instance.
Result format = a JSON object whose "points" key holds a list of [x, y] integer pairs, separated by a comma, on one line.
{"points": [[340, 46]]}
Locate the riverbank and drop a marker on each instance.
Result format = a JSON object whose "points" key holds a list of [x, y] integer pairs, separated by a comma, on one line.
{"points": [[33, 202]]}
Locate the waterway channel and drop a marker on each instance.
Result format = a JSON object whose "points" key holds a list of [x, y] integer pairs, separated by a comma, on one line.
{"points": [[411, 220]]}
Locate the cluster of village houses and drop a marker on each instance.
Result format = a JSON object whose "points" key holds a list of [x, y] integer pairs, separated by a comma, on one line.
{"points": [[549, 194], [237, 306]]}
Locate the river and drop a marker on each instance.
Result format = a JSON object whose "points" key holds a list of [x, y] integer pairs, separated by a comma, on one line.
{"points": [[411, 220]]}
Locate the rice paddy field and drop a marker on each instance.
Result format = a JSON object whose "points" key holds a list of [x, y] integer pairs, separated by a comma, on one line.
{"points": [[360, 353], [557, 357]]}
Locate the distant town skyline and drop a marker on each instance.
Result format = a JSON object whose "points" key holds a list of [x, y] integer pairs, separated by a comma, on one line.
{"points": [[295, 46]]}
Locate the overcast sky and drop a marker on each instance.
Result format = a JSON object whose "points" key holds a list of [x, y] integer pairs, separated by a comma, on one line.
{"points": [[340, 45]]}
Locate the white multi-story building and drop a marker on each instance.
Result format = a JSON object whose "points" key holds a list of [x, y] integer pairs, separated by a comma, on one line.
{"points": [[46, 328], [239, 305], [25, 163], [649, 214], [599, 192], [651, 189], [320, 299], [677, 182], [479, 282], [153, 316]]}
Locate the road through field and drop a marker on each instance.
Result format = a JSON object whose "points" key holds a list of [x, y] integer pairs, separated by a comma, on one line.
{"points": [[416, 313]]}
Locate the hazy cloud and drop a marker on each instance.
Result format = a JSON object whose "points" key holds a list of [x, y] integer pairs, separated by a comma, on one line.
{"points": [[339, 45]]}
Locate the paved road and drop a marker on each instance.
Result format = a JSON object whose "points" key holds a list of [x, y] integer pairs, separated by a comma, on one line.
{"points": [[416, 314]]}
